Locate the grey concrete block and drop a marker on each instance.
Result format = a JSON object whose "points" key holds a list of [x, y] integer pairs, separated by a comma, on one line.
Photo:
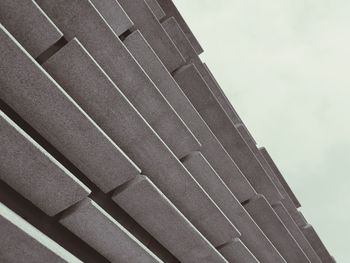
{"points": [[87, 83], [114, 14], [98, 229], [79, 18], [171, 10], [296, 232], [35, 174], [316, 243], [251, 234], [156, 9], [153, 32], [29, 25], [193, 84], [211, 147], [236, 251], [142, 199], [41, 102], [20, 242], [269, 222]]}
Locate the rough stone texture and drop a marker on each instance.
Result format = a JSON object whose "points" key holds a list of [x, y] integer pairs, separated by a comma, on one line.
{"points": [[211, 147], [156, 9], [78, 18], [29, 25], [251, 234], [171, 10], [20, 242], [114, 14], [274, 229], [31, 171], [236, 251], [76, 71], [296, 232], [192, 84], [99, 230], [153, 32], [317, 244], [41, 102], [141, 198]]}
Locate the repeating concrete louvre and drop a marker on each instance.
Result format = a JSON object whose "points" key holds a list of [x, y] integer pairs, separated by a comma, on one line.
{"points": [[251, 234], [317, 244], [296, 232], [211, 147], [141, 198], [31, 171], [269, 222], [98, 229], [20, 242], [42, 103], [192, 84], [86, 82], [24, 18], [114, 14], [241, 252], [156, 9], [80, 19], [154, 33], [171, 10]]}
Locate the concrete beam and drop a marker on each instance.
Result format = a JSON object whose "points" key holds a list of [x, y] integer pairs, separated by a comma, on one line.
{"points": [[42, 103], [156, 9], [79, 18], [141, 198], [29, 25], [103, 233], [236, 251]]}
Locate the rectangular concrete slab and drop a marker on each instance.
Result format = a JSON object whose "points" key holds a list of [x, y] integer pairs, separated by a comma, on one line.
{"points": [[236, 251], [114, 14], [251, 234], [141, 198], [211, 147], [98, 229], [42, 103], [193, 84], [88, 84], [29, 25], [34, 173], [79, 18], [20, 242], [156, 9], [269, 222]]}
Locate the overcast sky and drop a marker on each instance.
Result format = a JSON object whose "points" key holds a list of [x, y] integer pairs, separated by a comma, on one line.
{"points": [[284, 65]]}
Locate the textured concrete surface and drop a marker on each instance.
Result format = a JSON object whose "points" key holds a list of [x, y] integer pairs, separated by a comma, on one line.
{"points": [[29, 25], [98, 229], [156, 9], [39, 100], [236, 251], [141, 198]]}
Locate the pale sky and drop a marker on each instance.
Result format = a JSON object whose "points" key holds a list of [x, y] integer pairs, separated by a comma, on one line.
{"points": [[284, 66]]}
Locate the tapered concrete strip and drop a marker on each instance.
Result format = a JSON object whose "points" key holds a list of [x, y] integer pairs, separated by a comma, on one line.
{"points": [[171, 10], [29, 25], [296, 232], [317, 244], [99, 230], [193, 84], [156, 9], [114, 14], [211, 147], [141, 198], [35, 174], [20, 242], [88, 84], [79, 18], [251, 234], [154, 33], [236, 251], [42, 103], [269, 222]]}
